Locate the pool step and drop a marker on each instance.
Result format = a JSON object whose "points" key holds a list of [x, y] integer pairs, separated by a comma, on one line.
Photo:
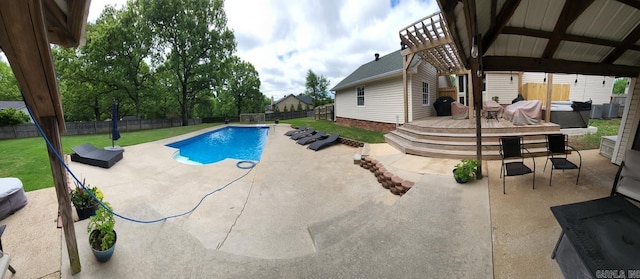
{"points": [[332, 231]]}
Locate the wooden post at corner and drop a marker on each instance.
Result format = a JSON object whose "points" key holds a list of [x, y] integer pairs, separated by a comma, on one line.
{"points": [[50, 128]]}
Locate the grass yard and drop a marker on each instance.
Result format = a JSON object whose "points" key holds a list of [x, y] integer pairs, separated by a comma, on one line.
{"points": [[606, 127], [344, 131], [27, 159]]}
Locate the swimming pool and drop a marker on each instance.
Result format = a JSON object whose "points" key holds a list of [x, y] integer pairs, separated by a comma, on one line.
{"points": [[241, 143]]}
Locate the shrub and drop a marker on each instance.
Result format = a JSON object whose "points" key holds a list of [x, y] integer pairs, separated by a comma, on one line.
{"points": [[12, 116]]}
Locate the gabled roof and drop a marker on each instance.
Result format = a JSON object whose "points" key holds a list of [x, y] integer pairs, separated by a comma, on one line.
{"points": [[385, 66], [302, 98], [305, 99], [12, 104]]}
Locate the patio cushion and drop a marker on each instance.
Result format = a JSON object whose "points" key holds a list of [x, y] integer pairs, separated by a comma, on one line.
{"points": [[12, 197]]}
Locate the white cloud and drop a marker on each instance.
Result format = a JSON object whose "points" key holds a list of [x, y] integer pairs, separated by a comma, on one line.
{"points": [[284, 39]]}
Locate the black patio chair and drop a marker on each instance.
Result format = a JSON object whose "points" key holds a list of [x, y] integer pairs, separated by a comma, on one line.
{"points": [[558, 150], [627, 181], [512, 153], [2, 254]]}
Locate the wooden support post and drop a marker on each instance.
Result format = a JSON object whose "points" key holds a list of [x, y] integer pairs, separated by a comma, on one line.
{"points": [[407, 62], [51, 130], [547, 113], [477, 105]]}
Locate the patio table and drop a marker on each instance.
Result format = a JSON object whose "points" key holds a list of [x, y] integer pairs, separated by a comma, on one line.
{"points": [[600, 239]]}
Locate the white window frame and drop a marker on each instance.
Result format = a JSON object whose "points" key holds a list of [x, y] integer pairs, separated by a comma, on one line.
{"points": [[425, 93], [360, 94]]}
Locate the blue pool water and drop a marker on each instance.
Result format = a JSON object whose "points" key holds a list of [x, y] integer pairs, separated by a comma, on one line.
{"points": [[242, 143]]}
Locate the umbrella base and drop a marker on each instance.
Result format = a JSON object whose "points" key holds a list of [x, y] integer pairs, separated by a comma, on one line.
{"points": [[114, 148]]}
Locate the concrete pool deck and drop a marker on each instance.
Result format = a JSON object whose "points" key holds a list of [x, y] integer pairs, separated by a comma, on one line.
{"points": [[304, 214], [298, 213]]}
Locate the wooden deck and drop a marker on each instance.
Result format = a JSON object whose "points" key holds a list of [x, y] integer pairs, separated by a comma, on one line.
{"points": [[445, 137]]}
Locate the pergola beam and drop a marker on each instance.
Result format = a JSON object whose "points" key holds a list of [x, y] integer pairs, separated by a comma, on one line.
{"points": [[629, 41], [508, 9], [510, 30], [447, 8], [570, 12], [547, 65]]}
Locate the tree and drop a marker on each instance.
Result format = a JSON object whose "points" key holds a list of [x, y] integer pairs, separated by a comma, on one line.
{"points": [[120, 42], [12, 116], [299, 106], [192, 42], [292, 108], [620, 85], [244, 87], [9, 90], [316, 88], [82, 97]]}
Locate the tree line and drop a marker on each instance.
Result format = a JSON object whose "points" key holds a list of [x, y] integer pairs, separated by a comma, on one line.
{"points": [[158, 59]]}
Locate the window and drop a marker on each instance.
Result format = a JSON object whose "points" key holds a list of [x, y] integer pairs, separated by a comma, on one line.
{"points": [[425, 93], [360, 96]]}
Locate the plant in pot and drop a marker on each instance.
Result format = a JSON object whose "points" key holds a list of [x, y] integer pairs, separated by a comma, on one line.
{"points": [[465, 171], [102, 236], [277, 121], [84, 203]]}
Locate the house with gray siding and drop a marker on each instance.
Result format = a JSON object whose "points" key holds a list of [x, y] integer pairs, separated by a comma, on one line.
{"points": [[372, 96]]}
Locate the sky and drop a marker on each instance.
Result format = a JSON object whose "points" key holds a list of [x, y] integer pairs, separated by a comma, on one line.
{"points": [[283, 39]]}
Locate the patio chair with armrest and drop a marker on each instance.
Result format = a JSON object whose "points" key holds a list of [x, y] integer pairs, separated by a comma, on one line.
{"points": [[558, 152], [512, 153], [627, 181]]}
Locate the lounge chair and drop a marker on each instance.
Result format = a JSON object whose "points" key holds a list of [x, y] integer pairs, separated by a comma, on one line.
{"points": [[90, 155], [316, 136], [290, 133], [318, 144], [306, 133]]}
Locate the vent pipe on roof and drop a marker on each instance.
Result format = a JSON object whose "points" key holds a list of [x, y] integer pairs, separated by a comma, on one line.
{"points": [[377, 56]]}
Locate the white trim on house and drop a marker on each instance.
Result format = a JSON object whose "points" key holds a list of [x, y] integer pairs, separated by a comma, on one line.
{"points": [[629, 123]]}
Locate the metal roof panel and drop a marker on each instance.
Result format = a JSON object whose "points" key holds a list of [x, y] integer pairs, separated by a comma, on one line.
{"points": [[581, 51]]}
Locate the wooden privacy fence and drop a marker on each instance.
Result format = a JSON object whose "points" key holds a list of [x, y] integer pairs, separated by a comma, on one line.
{"points": [[93, 127], [448, 92], [324, 112], [538, 91]]}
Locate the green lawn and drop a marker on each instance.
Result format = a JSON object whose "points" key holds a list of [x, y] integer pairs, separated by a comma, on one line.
{"points": [[27, 159], [606, 127], [332, 128]]}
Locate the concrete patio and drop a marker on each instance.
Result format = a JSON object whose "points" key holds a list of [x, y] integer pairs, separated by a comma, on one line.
{"points": [[305, 214]]}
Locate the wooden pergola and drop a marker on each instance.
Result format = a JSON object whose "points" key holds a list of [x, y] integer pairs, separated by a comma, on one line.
{"points": [[27, 28], [572, 36]]}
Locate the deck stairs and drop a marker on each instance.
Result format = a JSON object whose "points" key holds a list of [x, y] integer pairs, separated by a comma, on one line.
{"points": [[460, 142]]}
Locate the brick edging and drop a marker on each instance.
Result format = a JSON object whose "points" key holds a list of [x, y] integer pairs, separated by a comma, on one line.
{"points": [[388, 180]]}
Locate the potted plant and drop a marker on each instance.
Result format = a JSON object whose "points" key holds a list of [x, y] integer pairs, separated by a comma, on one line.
{"points": [[465, 171], [277, 121], [102, 236], [84, 203]]}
